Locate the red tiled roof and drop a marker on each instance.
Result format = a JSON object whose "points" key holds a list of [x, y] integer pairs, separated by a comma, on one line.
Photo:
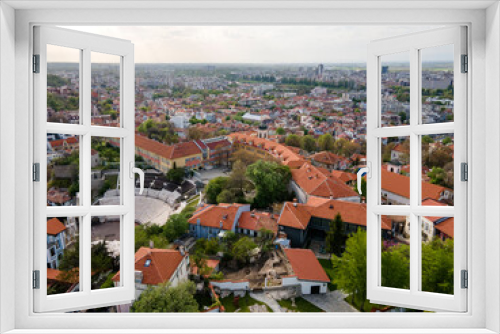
{"points": [[314, 182], [400, 185], [447, 227], [167, 151], [327, 158], [210, 263], [258, 221], [63, 276], [163, 264], [305, 265], [60, 142], [219, 143], [54, 226], [344, 176], [213, 215]]}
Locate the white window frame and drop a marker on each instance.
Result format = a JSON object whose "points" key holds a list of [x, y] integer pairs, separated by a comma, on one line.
{"points": [[484, 101], [413, 44], [86, 44]]}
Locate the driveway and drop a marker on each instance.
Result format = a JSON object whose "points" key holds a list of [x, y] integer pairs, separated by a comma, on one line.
{"points": [[332, 301], [271, 302]]}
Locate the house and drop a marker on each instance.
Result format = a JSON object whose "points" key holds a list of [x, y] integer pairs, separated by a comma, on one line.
{"points": [[442, 227], [328, 160], [56, 242], [396, 189], [67, 144], [307, 272], [155, 266], [302, 221], [251, 222], [209, 220], [310, 181], [94, 158]]}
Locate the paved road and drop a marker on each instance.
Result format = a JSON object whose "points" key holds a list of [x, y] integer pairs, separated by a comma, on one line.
{"points": [[332, 301], [271, 302]]}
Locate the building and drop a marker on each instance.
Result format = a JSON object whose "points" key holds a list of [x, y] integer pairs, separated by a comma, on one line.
{"points": [[396, 190], [328, 160], [180, 122], [156, 266], [210, 220], [442, 227], [307, 272], [301, 222], [310, 181], [215, 151], [56, 242], [252, 222]]}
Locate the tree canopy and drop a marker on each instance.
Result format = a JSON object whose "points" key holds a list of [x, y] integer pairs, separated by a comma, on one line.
{"points": [[271, 182], [292, 140], [214, 187], [165, 298]]}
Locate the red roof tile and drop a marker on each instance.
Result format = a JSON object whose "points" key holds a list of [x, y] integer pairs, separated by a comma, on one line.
{"points": [[54, 226], [305, 265], [213, 215], [400, 185]]}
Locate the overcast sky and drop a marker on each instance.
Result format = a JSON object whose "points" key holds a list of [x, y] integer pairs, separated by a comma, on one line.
{"points": [[250, 44]]}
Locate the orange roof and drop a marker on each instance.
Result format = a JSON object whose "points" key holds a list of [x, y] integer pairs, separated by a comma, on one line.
{"points": [[257, 220], [163, 263], [344, 176], [214, 215], [447, 227], [316, 183], [210, 263], [54, 226], [327, 158], [63, 276], [305, 265], [400, 185], [167, 151], [61, 142], [298, 215]]}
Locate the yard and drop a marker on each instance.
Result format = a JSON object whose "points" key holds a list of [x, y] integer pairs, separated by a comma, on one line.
{"points": [[242, 305], [301, 305]]}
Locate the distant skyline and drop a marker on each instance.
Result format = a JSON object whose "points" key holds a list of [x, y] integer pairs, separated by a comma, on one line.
{"points": [[251, 44]]}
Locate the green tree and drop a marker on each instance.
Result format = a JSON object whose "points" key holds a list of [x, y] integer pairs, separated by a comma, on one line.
{"points": [[437, 266], [144, 234], [226, 196], [336, 236], [176, 175], [326, 142], [241, 249], [165, 298], [237, 179], [292, 140], [280, 131], [427, 139], [308, 143], [351, 268], [176, 226], [271, 182], [214, 187], [396, 267], [447, 141]]}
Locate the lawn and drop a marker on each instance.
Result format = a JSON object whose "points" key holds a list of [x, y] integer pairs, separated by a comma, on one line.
{"points": [[327, 265], [301, 305], [244, 303]]}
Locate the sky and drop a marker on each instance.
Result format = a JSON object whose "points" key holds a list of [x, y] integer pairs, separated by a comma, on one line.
{"points": [[249, 44]]}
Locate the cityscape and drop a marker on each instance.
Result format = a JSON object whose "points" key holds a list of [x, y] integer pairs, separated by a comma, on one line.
{"points": [[250, 200]]}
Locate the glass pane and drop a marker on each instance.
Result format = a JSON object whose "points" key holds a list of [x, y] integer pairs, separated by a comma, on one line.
{"points": [[105, 252], [437, 253], [437, 84], [63, 255], [105, 89], [395, 89], [63, 170], [437, 168], [106, 176], [395, 169], [395, 258], [63, 84]]}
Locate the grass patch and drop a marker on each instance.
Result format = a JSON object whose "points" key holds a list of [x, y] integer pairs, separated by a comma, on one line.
{"points": [[243, 303], [328, 266], [301, 305]]}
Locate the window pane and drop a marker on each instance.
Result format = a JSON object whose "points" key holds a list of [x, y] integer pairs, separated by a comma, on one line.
{"points": [[63, 170], [105, 251], [395, 89], [106, 176], [63, 255], [437, 254], [63, 84], [395, 171], [395, 257], [105, 89], [437, 84], [437, 168]]}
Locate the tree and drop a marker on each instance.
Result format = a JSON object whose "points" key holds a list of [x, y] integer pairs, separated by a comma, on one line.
{"points": [[226, 196], [280, 131], [165, 298], [176, 175], [244, 156], [336, 236], [214, 187], [264, 240], [395, 267], [447, 141], [292, 140], [437, 266], [176, 226], [101, 260], [351, 267], [241, 249], [144, 234], [308, 143], [271, 182], [238, 180], [325, 142], [427, 139]]}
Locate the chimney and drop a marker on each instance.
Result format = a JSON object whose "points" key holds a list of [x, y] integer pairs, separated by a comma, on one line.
{"points": [[295, 200], [151, 244]]}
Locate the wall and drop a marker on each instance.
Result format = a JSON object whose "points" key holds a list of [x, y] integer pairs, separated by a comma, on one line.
{"points": [[7, 172], [306, 286]]}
